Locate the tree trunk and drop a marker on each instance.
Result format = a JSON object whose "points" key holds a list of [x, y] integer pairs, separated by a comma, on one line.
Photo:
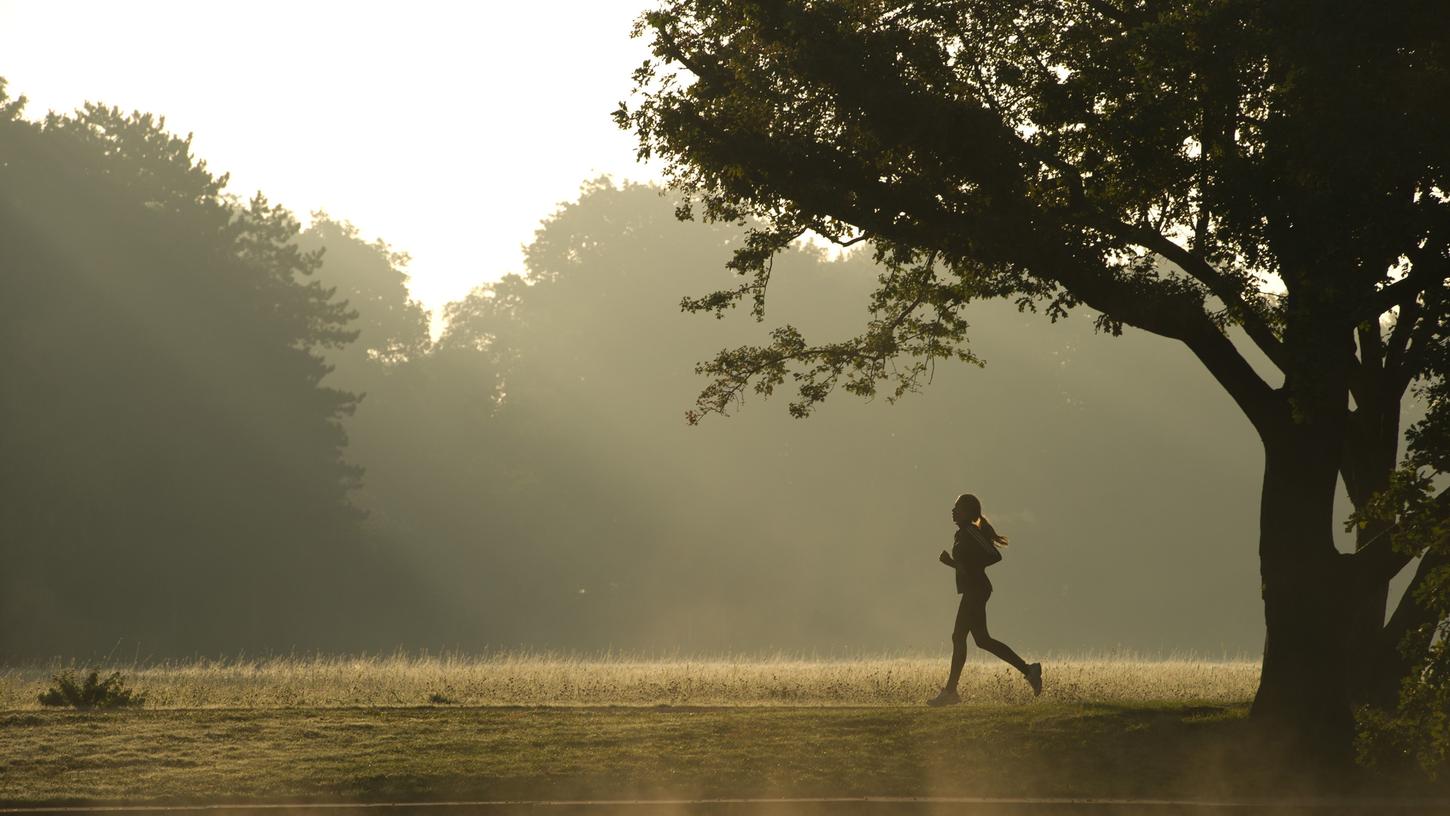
{"points": [[1372, 451], [1369, 649], [1303, 695]]}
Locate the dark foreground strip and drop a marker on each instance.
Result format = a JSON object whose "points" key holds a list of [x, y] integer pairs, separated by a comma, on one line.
{"points": [[860, 806]]}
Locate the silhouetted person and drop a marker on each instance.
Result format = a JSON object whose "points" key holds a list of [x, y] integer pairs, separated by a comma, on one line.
{"points": [[974, 548]]}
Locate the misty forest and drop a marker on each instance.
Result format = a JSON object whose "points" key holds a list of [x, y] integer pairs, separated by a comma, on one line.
{"points": [[1165, 287], [228, 434]]}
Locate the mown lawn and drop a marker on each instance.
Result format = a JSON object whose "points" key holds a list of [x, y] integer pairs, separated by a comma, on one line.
{"points": [[389, 754]]}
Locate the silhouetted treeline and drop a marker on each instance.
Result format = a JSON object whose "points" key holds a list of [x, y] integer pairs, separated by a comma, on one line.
{"points": [[171, 463], [211, 443]]}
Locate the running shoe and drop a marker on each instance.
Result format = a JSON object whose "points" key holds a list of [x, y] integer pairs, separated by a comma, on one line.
{"points": [[945, 698], [1034, 678]]}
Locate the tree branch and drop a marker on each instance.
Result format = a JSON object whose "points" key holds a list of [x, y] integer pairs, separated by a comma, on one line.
{"points": [[1219, 284], [1410, 613], [1379, 560], [1175, 319], [1399, 340], [1365, 371], [1114, 13], [1422, 338], [1223, 287], [837, 241], [1421, 276]]}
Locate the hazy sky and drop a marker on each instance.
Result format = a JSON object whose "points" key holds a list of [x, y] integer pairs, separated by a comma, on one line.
{"points": [[447, 128]]}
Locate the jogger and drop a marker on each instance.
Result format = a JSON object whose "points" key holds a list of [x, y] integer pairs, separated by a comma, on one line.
{"points": [[974, 548]]}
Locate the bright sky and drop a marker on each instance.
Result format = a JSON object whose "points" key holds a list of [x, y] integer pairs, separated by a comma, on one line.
{"points": [[449, 129]]}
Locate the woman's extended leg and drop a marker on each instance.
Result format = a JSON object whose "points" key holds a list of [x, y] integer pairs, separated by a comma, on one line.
{"points": [[959, 643]]}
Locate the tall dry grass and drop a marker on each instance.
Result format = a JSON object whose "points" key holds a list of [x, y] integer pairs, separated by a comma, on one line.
{"points": [[528, 679]]}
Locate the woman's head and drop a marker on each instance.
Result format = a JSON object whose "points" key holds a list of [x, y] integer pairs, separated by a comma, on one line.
{"points": [[967, 509]]}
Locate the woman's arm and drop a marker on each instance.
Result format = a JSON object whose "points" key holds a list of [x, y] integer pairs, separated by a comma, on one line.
{"points": [[946, 558]]}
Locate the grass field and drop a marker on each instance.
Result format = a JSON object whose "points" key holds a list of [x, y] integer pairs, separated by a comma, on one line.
{"points": [[521, 679], [545, 728], [510, 753]]}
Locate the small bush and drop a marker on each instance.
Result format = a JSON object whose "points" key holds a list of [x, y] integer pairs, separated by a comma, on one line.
{"points": [[93, 692]]}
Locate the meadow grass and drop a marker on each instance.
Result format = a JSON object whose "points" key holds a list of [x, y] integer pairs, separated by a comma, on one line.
{"points": [[519, 679], [542, 727], [441, 753], [623, 752]]}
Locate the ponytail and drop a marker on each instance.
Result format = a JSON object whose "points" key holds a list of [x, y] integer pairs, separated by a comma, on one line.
{"points": [[992, 534]]}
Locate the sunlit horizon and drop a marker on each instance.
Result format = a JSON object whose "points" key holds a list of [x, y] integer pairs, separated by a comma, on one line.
{"points": [[441, 103]]}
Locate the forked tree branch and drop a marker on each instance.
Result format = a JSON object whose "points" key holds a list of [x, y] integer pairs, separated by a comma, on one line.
{"points": [[1379, 559], [1429, 267], [1222, 286]]}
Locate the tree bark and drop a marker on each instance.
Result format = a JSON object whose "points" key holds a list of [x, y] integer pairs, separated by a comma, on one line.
{"points": [[1368, 598], [1369, 649], [1303, 695], [1371, 453]]}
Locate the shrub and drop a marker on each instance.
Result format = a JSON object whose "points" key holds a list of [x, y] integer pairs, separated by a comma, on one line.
{"points": [[93, 692]]}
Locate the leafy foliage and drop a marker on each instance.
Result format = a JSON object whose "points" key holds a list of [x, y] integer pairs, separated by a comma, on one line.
{"points": [[1418, 727], [895, 332], [171, 448], [1056, 153], [91, 692]]}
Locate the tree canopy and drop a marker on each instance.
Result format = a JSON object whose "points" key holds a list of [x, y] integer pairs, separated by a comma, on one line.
{"points": [[1159, 164]]}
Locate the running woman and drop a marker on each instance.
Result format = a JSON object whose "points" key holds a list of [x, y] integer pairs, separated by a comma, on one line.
{"points": [[974, 548]]}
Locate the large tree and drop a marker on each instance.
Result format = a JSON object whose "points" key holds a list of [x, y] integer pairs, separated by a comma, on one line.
{"points": [[1261, 182]]}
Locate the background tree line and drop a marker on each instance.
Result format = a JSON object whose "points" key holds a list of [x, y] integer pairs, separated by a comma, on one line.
{"points": [[225, 433], [173, 463]]}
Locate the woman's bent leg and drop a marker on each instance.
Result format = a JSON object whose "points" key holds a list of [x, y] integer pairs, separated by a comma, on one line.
{"points": [[985, 642]]}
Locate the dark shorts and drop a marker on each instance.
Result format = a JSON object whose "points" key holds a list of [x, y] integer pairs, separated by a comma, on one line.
{"points": [[972, 612]]}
